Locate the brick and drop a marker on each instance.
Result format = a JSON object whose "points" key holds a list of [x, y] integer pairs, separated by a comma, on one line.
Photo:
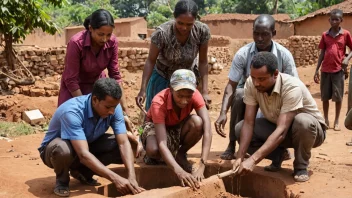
{"points": [[33, 117]]}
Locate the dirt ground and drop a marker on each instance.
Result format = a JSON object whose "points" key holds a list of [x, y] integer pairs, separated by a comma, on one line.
{"points": [[23, 174]]}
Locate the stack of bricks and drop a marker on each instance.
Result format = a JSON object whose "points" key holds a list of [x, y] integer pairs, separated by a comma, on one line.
{"points": [[132, 59], [43, 62], [304, 49]]}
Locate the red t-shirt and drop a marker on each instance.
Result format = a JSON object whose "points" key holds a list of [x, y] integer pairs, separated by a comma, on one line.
{"points": [[335, 49], [161, 110]]}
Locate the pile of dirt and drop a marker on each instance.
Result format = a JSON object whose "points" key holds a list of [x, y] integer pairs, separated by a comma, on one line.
{"points": [[225, 195]]}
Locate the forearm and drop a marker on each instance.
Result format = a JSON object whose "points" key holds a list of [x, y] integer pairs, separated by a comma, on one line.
{"points": [[127, 158], [270, 145], [168, 158], [227, 98], [90, 161], [123, 99], [245, 139], [207, 139], [76, 93], [203, 70], [320, 60], [147, 72]]}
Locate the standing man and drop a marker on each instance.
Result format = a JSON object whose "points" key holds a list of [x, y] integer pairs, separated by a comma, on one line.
{"points": [[263, 32], [292, 119], [76, 142]]}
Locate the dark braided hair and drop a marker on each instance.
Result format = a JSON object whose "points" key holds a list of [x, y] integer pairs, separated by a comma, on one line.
{"points": [[186, 6], [99, 18]]}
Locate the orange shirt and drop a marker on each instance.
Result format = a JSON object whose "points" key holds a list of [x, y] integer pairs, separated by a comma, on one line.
{"points": [[161, 110]]}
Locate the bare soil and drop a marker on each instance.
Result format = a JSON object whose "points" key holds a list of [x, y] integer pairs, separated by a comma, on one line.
{"points": [[23, 174]]}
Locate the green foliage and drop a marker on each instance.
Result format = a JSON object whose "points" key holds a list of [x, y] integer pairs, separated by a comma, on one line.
{"points": [[19, 17], [75, 12], [13, 129], [155, 19], [131, 8]]}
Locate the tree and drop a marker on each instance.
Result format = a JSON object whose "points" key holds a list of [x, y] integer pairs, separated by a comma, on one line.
{"points": [[76, 12], [132, 8], [19, 17]]}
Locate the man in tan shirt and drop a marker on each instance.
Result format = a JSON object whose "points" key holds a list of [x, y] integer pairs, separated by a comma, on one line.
{"points": [[291, 119]]}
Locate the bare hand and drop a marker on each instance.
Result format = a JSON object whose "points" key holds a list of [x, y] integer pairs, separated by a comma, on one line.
{"points": [[220, 125], [187, 179], [316, 77], [207, 100], [124, 186], [346, 74], [140, 99], [237, 164], [247, 166], [199, 173], [136, 187], [345, 63]]}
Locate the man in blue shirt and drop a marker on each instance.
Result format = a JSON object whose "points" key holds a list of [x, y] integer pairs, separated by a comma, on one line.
{"points": [[76, 142]]}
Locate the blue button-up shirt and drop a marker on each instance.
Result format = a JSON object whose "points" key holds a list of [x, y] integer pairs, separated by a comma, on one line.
{"points": [[74, 120]]}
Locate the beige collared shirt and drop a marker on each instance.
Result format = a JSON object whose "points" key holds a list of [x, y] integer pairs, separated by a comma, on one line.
{"points": [[289, 94]]}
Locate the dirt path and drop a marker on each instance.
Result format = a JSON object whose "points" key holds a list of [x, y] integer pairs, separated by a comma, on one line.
{"points": [[24, 175]]}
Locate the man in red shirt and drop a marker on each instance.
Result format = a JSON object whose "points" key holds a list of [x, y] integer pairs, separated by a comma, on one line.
{"points": [[334, 66], [170, 130]]}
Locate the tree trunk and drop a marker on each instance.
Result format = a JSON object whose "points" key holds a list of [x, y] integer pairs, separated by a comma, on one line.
{"points": [[8, 51], [275, 7]]}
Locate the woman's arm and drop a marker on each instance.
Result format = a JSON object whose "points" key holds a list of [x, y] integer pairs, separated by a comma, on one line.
{"points": [[203, 69], [70, 75], [147, 72], [114, 72]]}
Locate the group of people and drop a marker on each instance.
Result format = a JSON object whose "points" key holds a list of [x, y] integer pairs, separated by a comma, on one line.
{"points": [[271, 109]]}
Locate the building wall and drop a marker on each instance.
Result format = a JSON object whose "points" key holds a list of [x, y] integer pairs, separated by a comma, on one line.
{"points": [[122, 29], [320, 24], [42, 39], [243, 29], [139, 27], [72, 31]]}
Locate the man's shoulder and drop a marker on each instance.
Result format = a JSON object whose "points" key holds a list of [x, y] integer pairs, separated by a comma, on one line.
{"points": [[76, 105], [289, 81], [243, 51], [282, 48], [161, 97]]}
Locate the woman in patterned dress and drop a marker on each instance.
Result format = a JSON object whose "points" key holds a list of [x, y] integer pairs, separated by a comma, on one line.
{"points": [[176, 45]]}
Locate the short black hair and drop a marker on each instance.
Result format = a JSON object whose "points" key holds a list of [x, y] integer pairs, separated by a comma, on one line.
{"points": [[106, 87], [186, 6], [267, 59], [99, 18], [336, 12], [265, 19]]}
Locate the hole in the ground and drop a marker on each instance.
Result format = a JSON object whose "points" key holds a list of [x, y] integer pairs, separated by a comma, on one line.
{"points": [[160, 181]]}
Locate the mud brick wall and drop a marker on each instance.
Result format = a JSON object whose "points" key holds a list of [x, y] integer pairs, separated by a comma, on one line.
{"points": [[305, 50], [133, 59]]}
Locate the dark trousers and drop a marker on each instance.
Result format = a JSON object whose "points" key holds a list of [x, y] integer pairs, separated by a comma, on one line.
{"points": [[238, 109], [304, 134], [60, 156]]}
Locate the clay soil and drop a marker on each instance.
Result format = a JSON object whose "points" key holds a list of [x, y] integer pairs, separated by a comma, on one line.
{"points": [[23, 174]]}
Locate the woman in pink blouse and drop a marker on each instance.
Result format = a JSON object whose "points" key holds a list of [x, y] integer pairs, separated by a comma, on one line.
{"points": [[88, 54]]}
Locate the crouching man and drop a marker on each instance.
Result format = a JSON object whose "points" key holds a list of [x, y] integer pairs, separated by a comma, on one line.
{"points": [[76, 142], [170, 130], [292, 119]]}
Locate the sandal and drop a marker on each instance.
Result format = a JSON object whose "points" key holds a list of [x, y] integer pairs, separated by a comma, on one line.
{"points": [[227, 155], [62, 191], [83, 179], [337, 127], [272, 168], [349, 143], [300, 175], [150, 161]]}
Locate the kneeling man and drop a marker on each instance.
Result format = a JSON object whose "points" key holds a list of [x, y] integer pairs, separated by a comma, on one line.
{"points": [[292, 119], [76, 142]]}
